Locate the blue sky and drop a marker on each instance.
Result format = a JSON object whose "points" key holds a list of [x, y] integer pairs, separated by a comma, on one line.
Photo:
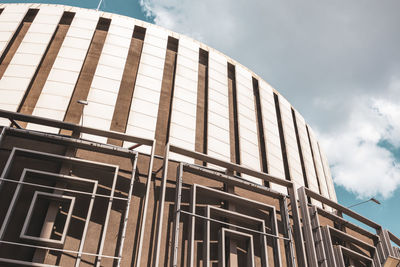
{"points": [[337, 62]]}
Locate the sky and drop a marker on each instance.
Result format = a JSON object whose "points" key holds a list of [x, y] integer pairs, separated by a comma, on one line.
{"points": [[337, 62]]}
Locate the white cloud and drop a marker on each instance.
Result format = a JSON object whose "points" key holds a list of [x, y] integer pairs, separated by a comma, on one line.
{"points": [[333, 60], [358, 161]]}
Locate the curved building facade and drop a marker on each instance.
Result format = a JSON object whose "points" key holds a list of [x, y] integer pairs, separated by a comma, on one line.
{"points": [[124, 143], [147, 81]]}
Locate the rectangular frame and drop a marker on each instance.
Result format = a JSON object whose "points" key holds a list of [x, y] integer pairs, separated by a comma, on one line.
{"points": [[236, 234], [41, 240], [235, 216]]}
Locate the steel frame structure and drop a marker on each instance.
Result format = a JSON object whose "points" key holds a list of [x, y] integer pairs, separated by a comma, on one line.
{"points": [[314, 246], [212, 174], [320, 248], [237, 200], [225, 232], [41, 240], [57, 158], [238, 217], [82, 144]]}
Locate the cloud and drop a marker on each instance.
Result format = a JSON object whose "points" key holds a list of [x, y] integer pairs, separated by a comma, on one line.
{"points": [[359, 161], [333, 60]]}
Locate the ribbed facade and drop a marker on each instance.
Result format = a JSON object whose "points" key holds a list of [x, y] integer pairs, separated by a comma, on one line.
{"points": [[144, 80], [126, 144]]}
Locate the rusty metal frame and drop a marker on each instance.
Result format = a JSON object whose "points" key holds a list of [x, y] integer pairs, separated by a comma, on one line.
{"points": [[237, 217], [320, 256], [91, 146], [340, 251], [225, 232], [53, 157], [239, 200], [145, 206], [216, 175], [318, 240], [53, 175], [237, 181], [41, 240]]}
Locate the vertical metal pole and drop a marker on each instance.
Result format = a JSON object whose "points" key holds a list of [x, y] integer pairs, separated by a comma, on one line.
{"points": [[327, 241], [339, 257], [146, 202], [264, 247], [192, 225], [221, 249], [88, 215], [161, 207], [308, 232], [276, 246], [3, 132], [178, 196], [128, 204], [298, 235], [206, 245], [289, 250], [387, 247], [316, 231], [107, 219]]}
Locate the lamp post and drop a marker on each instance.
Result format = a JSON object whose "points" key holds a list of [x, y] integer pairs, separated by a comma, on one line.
{"points": [[371, 199], [83, 103]]}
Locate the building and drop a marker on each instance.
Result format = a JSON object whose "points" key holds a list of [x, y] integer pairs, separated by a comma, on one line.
{"points": [[127, 144]]}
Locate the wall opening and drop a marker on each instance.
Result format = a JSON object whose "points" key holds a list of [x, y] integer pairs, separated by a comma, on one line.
{"points": [[16, 40], [260, 128], [39, 79], [303, 169], [233, 115], [282, 137], [82, 87], [166, 96], [202, 105], [125, 94]]}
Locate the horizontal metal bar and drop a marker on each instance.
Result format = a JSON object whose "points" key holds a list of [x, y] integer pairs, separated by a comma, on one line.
{"points": [[342, 209], [230, 224], [235, 198], [24, 263], [347, 237], [57, 249], [68, 140], [230, 166], [394, 238], [64, 189], [347, 224], [73, 127], [236, 181], [56, 157], [354, 254]]}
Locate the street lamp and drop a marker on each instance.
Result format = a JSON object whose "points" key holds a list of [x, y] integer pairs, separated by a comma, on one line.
{"points": [[83, 103], [371, 199]]}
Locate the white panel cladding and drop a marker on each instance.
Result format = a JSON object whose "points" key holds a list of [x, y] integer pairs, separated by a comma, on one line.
{"points": [[307, 156], [100, 110], [146, 96], [65, 71], [296, 173], [318, 164], [23, 65], [328, 176], [248, 136], [183, 116], [218, 108], [271, 134], [10, 19], [60, 84]]}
